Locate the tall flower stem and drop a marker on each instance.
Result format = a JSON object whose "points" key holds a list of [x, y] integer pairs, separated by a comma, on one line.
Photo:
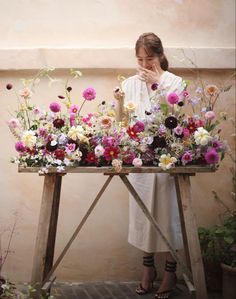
{"points": [[81, 107]]}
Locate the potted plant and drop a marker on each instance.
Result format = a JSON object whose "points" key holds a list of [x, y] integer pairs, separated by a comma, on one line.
{"points": [[218, 245]]}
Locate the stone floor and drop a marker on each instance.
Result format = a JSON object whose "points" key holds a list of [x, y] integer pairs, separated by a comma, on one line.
{"points": [[112, 290]]}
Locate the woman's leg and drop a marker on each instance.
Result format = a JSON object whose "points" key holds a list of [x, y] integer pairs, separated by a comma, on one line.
{"points": [[149, 274], [169, 278]]}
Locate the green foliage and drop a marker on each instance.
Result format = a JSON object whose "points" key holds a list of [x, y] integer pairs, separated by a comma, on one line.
{"points": [[217, 242]]}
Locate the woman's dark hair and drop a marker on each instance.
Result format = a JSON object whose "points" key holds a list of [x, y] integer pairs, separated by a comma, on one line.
{"points": [[153, 46]]}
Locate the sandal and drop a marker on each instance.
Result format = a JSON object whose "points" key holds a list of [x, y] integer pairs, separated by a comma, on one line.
{"points": [[148, 261], [169, 267]]}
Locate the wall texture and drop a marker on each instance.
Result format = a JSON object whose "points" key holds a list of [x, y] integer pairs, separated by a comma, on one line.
{"points": [[76, 34]]}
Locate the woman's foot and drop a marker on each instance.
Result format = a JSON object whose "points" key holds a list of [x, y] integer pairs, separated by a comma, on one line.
{"points": [[168, 283], [149, 275]]}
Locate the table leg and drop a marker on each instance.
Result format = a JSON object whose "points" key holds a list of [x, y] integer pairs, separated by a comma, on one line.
{"points": [[46, 235], [190, 234]]}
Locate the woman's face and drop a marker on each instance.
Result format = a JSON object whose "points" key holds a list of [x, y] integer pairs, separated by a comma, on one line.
{"points": [[146, 61]]}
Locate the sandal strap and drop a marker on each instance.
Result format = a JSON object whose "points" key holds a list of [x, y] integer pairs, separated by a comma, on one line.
{"points": [[170, 266], [148, 261]]}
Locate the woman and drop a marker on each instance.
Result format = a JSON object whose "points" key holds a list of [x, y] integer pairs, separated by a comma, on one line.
{"points": [[156, 190]]}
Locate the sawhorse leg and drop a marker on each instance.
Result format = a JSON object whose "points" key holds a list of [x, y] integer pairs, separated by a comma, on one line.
{"points": [[190, 234], [46, 235]]}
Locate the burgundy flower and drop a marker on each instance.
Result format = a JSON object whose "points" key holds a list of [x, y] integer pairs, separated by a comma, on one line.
{"points": [[59, 154], [158, 142], [9, 86], [58, 123], [128, 157], [154, 86], [50, 147], [171, 122], [139, 126], [91, 158]]}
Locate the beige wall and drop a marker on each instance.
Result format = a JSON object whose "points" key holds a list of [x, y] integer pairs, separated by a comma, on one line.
{"points": [[102, 251]]}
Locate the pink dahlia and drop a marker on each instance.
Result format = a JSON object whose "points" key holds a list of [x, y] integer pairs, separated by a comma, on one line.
{"points": [[55, 107], [172, 98], [19, 146], [139, 126], [89, 94], [211, 156]]}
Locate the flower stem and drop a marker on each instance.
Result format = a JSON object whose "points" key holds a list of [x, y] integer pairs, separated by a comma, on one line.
{"points": [[81, 107]]}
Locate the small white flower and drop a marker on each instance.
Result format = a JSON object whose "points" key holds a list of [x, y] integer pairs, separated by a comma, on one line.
{"points": [[53, 143], [60, 168], [58, 162]]}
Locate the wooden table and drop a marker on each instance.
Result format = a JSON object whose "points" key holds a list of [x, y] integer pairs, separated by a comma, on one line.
{"points": [[43, 267]]}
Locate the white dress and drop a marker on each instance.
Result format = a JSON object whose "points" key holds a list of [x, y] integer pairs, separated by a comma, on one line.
{"points": [[156, 190]]}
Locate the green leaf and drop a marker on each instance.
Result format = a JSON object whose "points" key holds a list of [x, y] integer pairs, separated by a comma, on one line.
{"points": [[228, 239], [164, 108]]}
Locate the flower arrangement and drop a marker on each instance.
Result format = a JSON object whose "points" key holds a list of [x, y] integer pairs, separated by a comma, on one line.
{"points": [[167, 137]]}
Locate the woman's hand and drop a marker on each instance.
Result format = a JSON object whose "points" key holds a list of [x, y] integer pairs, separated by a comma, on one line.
{"points": [[118, 94], [149, 76]]}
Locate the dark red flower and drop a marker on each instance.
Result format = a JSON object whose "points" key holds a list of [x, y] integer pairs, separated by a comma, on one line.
{"points": [[192, 127], [171, 122], [58, 123], [51, 148], [111, 152], [154, 86], [132, 132], [91, 158], [59, 154], [9, 86], [159, 142]]}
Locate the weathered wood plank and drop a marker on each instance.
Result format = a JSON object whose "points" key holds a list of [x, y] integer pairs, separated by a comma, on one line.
{"points": [[125, 170], [190, 234], [46, 235]]}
